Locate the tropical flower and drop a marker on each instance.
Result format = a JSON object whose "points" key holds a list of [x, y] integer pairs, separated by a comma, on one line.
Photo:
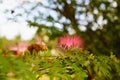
{"points": [[70, 41], [18, 48]]}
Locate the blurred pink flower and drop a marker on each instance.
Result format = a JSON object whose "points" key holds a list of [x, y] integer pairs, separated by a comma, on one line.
{"points": [[18, 48], [69, 41]]}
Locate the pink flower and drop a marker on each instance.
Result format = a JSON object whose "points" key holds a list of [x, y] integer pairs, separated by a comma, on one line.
{"points": [[68, 41], [18, 48]]}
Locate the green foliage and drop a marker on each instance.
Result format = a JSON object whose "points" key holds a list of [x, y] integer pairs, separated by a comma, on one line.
{"points": [[73, 64], [11, 67], [76, 64], [3, 41]]}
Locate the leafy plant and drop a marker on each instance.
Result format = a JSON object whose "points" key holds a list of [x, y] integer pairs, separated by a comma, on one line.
{"points": [[77, 64], [11, 67]]}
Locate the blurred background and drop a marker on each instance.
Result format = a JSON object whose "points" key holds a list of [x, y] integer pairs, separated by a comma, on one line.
{"points": [[96, 21]]}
